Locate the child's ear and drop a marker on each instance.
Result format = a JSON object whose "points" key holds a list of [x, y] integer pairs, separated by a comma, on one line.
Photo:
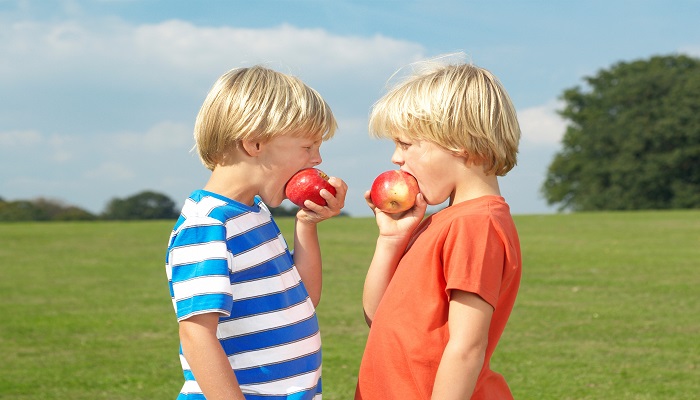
{"points": [[460, 153], [251, 147]]}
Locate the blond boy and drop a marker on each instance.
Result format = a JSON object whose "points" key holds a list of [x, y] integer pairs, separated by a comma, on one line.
{"points": [[246, 305], [439, 290]]}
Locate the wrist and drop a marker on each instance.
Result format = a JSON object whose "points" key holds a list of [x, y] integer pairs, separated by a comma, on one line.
{"points": [[393, 242], [307, 223]]}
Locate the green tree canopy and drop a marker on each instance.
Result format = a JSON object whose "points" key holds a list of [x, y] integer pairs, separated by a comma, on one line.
{"points": [[144, 205], [21, 210], [42, 209], [633, 139]]}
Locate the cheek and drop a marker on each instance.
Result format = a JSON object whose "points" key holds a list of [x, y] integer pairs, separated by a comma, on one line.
{"points": [[436, 181], [299, 159], [427, 182], [432, 191], [288, 164], [423, 165]]}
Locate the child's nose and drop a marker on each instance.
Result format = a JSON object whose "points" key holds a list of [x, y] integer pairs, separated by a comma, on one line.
{"points": [[316, 157], [396, 158]]}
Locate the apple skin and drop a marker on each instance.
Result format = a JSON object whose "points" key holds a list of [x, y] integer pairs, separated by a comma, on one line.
{"points": [[394, 191], [306, 185]]}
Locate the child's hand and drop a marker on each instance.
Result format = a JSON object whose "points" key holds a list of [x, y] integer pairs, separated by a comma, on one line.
{"points": [[399, 225], [314, 213]]}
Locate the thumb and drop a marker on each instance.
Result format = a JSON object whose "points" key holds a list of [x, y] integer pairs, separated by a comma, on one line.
{"points": [[421, 205]]}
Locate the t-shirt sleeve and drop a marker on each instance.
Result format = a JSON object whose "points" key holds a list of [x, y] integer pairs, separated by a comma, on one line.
{"points": [[198, 257], [473, 256]]}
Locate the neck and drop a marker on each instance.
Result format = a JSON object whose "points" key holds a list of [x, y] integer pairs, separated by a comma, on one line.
{"points": [[232, 182], [475, 184]]}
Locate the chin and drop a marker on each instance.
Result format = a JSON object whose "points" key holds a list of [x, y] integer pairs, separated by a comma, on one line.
{"points": [[273, 203], [434, 202]]}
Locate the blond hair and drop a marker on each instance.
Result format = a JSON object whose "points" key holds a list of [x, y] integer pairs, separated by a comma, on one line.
{"points": [[258, 103], [461, 107]]}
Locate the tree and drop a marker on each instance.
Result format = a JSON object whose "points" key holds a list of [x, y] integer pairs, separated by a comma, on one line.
{"points": [[59, 211], [21, 210], [283, 211], [633, 139], [42, 209], [292, 211], [144, 205]]}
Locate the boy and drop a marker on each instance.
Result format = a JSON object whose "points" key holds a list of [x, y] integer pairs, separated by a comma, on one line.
{"points": [[245, 305], [438, 293]]}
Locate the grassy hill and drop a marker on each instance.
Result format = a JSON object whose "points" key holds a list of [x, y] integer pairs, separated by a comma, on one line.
{"points": [[608, 308]]}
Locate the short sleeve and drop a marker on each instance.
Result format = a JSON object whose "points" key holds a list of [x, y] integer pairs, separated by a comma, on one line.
{"points": [[473, 257], [198, 258]]}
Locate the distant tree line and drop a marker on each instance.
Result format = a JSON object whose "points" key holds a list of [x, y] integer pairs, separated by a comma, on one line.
{"points": [[42, 210], [146, 205]]}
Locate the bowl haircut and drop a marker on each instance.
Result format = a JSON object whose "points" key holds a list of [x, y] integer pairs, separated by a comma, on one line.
{"points": [[461, 107], [258, 103]]}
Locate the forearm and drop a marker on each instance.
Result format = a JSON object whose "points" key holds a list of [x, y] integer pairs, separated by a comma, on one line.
{"points": [[386, 257], [469, 318], [307, 258], [458, 372], [208, 362]]}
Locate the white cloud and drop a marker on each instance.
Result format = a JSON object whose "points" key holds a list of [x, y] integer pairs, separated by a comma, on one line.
{"points": [[110, 171], [179, 52], [691, 50], [63, 147], [195, 48], [542, 124], [37, 146], [19, 139], [162, 137]]}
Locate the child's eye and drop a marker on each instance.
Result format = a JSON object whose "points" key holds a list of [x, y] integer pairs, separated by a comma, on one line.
{"points": [[313, 145], [403, 145]]}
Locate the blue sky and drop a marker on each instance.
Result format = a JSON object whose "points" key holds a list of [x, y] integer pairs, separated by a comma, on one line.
{"points": [[98, 98]]}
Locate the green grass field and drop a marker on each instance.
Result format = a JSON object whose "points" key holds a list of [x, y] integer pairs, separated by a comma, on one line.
{"points": [[608, 308]]}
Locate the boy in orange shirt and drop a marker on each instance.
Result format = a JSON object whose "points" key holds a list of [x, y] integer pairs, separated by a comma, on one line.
{"points": [[439, 291]]}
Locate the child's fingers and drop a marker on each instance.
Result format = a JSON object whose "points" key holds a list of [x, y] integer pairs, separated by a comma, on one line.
{"points": [[419, 208], [332, 202], [311, 206], [340, 185], [368, 199], [421, 204]]}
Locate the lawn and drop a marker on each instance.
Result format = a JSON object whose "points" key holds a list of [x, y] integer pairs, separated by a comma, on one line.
{"points": [[608, 308]]}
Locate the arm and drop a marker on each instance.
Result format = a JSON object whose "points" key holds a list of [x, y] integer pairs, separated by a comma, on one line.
{"points": [[307, 258], [307, 251], [387, 255], [394, 233], [469, 319], [207, 359]]}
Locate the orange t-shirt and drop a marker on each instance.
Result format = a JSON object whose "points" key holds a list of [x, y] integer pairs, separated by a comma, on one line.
{"points": [[471, 246]]}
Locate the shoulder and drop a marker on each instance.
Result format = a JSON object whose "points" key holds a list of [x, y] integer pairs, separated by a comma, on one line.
{"points": [[208, 208], [486, 208], [489, 215], [482, 209]]}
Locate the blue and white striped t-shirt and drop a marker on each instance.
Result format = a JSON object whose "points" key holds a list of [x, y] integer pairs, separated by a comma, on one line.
{"points": [[230, 258]]}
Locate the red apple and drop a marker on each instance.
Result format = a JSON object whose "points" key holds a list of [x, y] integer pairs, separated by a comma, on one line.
{"points": [[394, 191], [306, 185]]}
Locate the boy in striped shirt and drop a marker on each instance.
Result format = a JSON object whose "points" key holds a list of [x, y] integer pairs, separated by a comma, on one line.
{"points": [[246, 305]]}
